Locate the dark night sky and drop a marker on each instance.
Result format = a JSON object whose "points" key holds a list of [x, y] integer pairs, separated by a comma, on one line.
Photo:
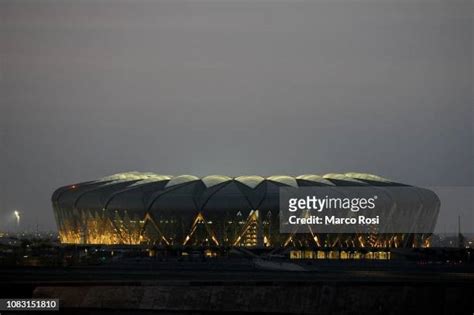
{"points": [[92, 88]]}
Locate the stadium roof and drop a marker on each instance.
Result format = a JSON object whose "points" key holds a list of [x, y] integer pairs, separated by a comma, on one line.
{"points": [[147, 191]]}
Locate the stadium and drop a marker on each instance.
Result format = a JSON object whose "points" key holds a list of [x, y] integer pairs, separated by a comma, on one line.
{"points": [[215, 212]]}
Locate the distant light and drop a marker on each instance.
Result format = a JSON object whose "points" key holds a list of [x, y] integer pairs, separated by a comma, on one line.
{"points": [[73, 186], [17, 216]]}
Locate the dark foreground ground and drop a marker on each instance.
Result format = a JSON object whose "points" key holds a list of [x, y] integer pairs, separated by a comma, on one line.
{"points": [[248, 286]]}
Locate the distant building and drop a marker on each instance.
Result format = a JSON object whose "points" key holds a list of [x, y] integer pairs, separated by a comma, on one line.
{"points": [[212, 211]]}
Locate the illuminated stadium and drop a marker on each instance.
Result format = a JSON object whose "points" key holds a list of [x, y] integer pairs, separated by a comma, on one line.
{"points": [[213, 212]]}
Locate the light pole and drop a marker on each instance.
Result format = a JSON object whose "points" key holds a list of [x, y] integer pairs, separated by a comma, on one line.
{"points": [[17, 216]]}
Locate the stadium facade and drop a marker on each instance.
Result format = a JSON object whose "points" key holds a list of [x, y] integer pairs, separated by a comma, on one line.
{"points": [[212, 212]]}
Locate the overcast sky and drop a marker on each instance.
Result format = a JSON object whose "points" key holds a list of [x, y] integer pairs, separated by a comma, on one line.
{"points": [[92, 88]]}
